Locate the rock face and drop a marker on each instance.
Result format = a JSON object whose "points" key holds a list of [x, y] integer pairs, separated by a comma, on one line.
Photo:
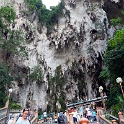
{"points": [[76, 45]]}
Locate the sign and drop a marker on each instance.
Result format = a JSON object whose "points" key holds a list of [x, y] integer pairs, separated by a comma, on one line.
{"points": [[3, 115]]}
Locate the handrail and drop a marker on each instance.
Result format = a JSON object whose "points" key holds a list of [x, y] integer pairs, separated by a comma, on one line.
{"points": [[104, 119], [3, 115], [87, 101], [2, 108], [111, 116], [3, 118], [121, 118], [33, 121]]}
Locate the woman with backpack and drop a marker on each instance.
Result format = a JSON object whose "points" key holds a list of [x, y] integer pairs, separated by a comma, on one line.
{"points": [[61, 118]]}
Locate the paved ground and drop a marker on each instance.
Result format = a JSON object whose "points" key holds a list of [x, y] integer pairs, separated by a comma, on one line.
{"points": [[93, 123], [57, 123], [88, 123]]}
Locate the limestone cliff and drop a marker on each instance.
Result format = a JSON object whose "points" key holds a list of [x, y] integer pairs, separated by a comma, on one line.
{"points": [[75, 47]]}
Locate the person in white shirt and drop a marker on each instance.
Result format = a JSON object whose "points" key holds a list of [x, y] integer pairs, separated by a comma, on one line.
{"points": [[45, 116], [75, 116], [11, 119]]}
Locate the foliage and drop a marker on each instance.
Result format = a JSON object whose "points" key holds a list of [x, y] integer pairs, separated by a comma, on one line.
{"points": [[117, 21], [56, 85], [13, 44], [114, 61], [34, 4], [27, 104], [122, 12], [81, 85], [46, 16], [121, 99], [58, 78], [67, 61], [11, 41], [7, 16], [49, 107], [14, 105], [119, 107], [5, 82], [114, 56], [36, 74], [75, 65], [61, 100], [104, 74], [114, 92], [40, 112]]}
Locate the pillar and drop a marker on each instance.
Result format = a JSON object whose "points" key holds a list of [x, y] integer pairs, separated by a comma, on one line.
{"points": [[114, 122], [67, 117], [71, 118], [120, 117]]}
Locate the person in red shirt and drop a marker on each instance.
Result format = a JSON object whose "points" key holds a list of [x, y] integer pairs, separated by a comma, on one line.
{"points": [[71, 110]]}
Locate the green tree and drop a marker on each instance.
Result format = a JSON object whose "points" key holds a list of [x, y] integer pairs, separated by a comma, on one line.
{"points": [[14, 105], [114, 55], [114, 61], [114, 65], [36, 74], [7, 16], [56, 86], [117, 21], [46, 16], [34, 4], [5, 82], [11, 40], [105, 74]]}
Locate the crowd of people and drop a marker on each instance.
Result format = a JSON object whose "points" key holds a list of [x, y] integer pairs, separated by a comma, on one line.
{"points": [[78, 113], [59, 118]]}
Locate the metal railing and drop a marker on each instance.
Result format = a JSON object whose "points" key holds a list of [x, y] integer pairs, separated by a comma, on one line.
{"points": [[111, 117], [3, 115], [34, 120], [87, 101], [104, 120]]}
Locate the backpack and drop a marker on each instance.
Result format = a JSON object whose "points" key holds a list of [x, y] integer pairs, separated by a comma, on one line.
{"points": [[61, 120]]}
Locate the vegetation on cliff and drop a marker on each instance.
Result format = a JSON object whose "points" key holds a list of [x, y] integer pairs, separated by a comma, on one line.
{"points": [[5, 82], [114, 61], [11, 43], [46, 16], [55, 90], [36, 74]]}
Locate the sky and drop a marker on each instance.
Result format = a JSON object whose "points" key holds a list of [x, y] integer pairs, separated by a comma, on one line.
{"points": [[49, 3]]}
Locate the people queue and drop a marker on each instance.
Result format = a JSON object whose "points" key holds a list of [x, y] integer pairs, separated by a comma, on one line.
{"points": [[59, 118]]}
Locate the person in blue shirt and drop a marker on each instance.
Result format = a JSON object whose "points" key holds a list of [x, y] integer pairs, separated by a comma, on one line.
{"points": [[81, 111], [61, 118], [93, 115]]}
